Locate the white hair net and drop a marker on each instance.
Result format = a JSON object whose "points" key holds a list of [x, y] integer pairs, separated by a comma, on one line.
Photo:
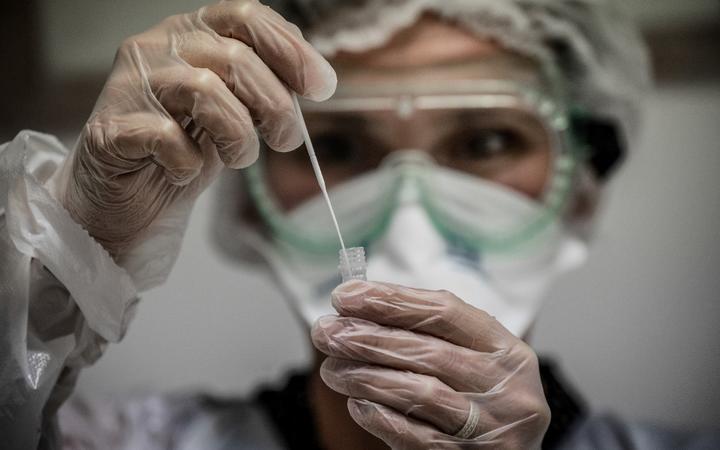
{"points": [[592, 43]]}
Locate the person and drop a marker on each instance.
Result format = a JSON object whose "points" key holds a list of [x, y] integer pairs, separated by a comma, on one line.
{"points": [[466, 146]]}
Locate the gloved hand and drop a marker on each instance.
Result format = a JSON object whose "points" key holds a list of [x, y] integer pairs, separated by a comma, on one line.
{"points": [[182, 100], [425, 370]]}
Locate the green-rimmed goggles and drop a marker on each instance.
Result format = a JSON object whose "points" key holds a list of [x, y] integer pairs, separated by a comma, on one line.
{"points": [[493, 164]]}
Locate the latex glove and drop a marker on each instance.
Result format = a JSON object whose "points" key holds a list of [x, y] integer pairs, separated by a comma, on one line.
{"points": [[425, 370], [182, 100]]}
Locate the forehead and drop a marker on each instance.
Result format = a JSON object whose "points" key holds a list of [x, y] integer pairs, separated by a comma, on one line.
{"points": [[434, 50]]}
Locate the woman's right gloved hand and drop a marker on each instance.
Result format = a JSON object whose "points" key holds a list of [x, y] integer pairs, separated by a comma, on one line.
{"points": [[182, 101]]}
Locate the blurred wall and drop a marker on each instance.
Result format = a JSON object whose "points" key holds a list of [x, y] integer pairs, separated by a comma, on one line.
{"points": [[636, 329]]}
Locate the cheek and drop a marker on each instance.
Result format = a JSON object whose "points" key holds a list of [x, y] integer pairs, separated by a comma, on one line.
{"points": [[528, 175]]}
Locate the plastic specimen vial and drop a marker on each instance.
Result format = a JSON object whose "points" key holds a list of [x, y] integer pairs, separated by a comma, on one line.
{"points": [[352, 264]]}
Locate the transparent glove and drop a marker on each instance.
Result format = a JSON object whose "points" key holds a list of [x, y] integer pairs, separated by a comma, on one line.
{"points": [[425, 370], [182, 101]]}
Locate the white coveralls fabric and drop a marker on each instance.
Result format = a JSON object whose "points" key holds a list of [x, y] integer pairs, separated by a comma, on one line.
{"points": [[62, 297]]}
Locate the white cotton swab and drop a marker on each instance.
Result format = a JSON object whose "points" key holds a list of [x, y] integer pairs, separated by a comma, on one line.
{"points": [[318, 172]]}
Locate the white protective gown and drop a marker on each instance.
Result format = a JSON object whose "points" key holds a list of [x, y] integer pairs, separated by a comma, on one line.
{"points": [[62, 297]]}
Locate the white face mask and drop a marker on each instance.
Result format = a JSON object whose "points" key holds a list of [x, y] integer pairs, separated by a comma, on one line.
{"points": [[412, 252]]}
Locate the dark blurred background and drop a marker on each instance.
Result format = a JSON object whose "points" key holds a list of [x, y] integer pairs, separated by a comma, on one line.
{"points": [[636, 330]]}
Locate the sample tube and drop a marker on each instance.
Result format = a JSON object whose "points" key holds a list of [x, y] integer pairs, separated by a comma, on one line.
{"points": [[352, 264]]}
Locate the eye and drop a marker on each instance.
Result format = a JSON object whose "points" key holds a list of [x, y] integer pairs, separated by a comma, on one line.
{"points": [[485, 144]]}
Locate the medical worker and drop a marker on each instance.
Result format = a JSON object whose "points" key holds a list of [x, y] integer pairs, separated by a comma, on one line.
{"points": [[465, 148]]}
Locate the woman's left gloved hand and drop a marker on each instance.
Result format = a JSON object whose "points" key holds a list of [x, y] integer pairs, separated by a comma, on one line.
{"points": [[423, 369]]}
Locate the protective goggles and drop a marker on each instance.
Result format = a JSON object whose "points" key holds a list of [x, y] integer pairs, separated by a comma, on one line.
{"points": [[492, 163]]}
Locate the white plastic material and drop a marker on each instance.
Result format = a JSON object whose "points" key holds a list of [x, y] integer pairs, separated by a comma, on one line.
{"points": [[352, 264], [62, 297]]}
